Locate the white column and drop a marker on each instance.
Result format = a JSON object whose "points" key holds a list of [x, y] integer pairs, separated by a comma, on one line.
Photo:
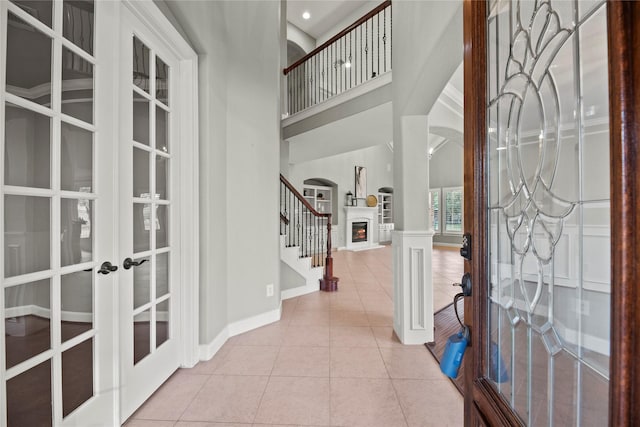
{"points": [[413, 238]]}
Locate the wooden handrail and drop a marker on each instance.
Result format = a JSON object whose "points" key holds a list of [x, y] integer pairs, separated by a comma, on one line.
{"points": [[302, 199], [284, 219], [342, 33]]}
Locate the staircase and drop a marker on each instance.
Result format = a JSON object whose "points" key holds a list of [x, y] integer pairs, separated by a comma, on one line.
{"points": [[305, 243]]}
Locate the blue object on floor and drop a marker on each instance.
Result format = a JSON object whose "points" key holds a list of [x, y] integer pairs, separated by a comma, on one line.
{"points": [[498, 371], [453, 352]]}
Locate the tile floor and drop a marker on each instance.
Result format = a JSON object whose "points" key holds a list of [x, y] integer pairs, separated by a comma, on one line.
{"points": [[332, 360]]}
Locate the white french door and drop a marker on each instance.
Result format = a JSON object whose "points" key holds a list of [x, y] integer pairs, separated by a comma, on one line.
{"points": [[58, 334], [90, 278], [149, 291]]}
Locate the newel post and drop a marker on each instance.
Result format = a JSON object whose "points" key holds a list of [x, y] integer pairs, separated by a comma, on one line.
{"points": [[329, 283]]}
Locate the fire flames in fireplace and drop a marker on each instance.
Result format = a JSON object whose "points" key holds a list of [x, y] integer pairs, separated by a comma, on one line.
{"points": [[359, 232]]}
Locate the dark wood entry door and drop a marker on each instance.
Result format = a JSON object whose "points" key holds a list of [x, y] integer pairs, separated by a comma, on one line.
{"points": [[551, 204]]}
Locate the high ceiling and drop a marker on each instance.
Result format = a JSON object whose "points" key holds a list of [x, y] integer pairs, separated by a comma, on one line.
{"points": [[325, 14]]}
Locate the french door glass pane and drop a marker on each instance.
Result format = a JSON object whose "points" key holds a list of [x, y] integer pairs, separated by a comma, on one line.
{"points": [[162, 274], [141, 65], [76, 296], [162, 130], [77, 376], [28, 70], [162, 177], [77, 86], [162, 81], [27, 234], [76, 243], [140, 119], [27, 148], [34, 407], [39, 9], [141, 227], [162, 225], [76, 158], [27, 321], [78, 23], [141, 335], [141, 283], [162, 322], [141, 173], [549, 231]]}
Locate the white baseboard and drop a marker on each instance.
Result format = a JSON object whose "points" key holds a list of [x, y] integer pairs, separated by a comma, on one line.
{"points": [[207, 351], [254, 322], [300, 290]]}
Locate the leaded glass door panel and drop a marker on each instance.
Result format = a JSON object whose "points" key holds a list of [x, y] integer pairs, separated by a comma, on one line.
{"points": [[538, 204]]}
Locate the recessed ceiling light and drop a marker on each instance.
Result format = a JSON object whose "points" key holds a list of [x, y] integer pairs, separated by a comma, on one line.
{"points": [[347, 64], [306, 15]]}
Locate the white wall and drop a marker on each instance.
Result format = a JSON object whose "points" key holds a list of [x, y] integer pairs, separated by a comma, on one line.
{"points": [[341, 169], [299, 37], [239, 83]]}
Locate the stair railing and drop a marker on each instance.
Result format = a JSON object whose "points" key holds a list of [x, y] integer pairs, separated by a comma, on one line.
{"points": [[307, 229], [360, 52]]}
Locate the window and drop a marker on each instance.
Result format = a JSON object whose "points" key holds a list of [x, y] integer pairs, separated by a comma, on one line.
{"points": [[434, 209], [453, 210]]}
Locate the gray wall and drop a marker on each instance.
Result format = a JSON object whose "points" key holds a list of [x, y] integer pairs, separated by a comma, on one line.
{"points": [[239, 102], [341, 169]]}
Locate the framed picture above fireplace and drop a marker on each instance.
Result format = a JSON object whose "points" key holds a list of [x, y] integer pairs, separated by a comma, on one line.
{"points": [[361, 182]]}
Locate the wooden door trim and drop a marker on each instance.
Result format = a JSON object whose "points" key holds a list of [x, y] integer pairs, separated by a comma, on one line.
{"points": [[624, 99]]}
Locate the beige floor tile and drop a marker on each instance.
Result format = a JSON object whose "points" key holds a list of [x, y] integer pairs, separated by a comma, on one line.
{"points": [[430, 403], [227, 399], [148, 423], [309, 318], [248, 360], [267, 335], [411, 363], [365, 402], [314, 301], [349, 318], [380, 318], [372, 285], [377, 304], [314, 336], [201, 424], [295, 400], [170, 401], [357, 362], [352, 336], [373, 294], [208, 367], [347, 304], [302, 362]]}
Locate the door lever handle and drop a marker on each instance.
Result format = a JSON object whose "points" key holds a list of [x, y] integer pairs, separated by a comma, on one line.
{"points": [[107, 268], [128, 263]]}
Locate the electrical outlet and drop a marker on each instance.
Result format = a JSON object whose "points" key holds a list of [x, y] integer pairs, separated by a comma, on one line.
{"points": [[270, 290]]}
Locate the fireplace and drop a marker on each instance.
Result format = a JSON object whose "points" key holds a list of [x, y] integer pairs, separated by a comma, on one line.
{"points": [[359, 231], [361, 228]]}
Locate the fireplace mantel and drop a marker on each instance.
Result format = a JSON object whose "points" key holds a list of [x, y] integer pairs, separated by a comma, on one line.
{"points": [[361, 214]]}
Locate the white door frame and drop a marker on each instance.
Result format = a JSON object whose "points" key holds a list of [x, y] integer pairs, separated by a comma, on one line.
{"points": [[150, 14]]}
